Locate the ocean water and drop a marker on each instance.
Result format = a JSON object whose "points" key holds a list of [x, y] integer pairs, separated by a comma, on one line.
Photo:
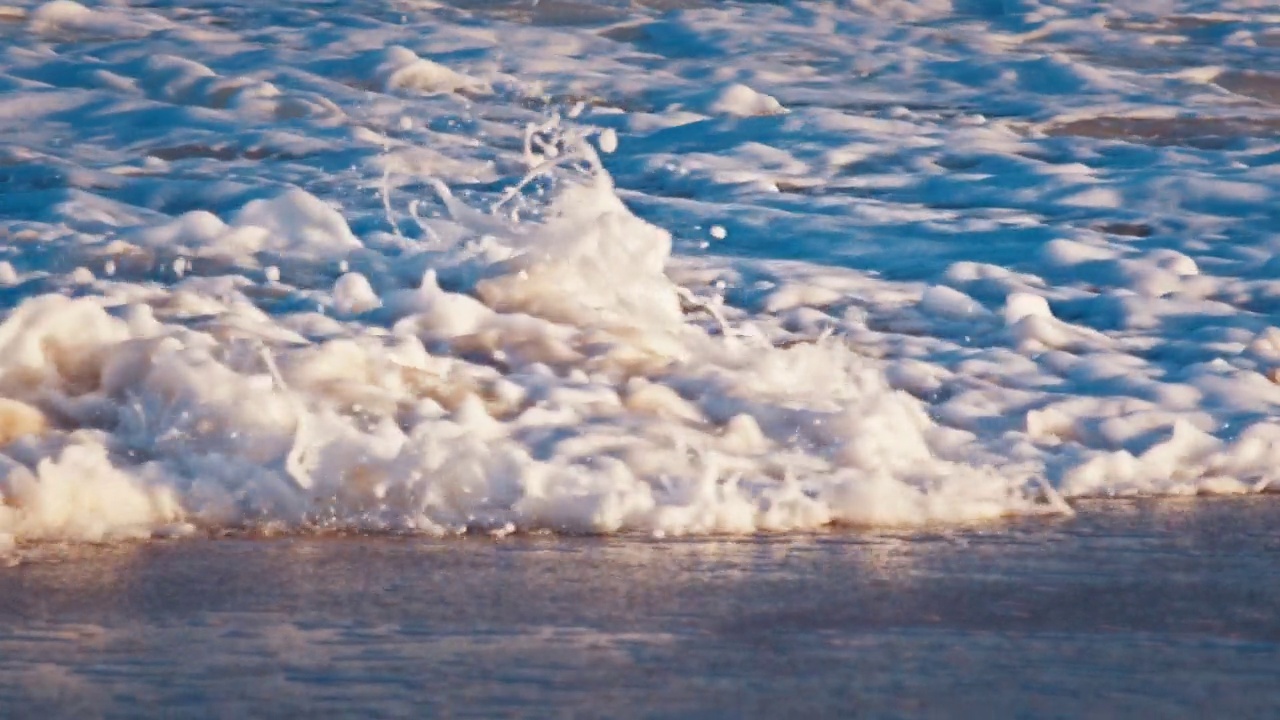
{"points": [[670, 268], [408, 279]]}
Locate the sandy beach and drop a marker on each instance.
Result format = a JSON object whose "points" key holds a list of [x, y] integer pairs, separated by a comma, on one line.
{"points": [[1134, 609]]}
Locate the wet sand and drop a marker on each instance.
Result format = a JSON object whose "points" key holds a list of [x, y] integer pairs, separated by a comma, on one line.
{"points": [[1133, 609]]}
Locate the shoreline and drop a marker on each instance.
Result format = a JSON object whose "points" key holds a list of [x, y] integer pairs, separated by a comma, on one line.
{"points": [[1133, 606]]}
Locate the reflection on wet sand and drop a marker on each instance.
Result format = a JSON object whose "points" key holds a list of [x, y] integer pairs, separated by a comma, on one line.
{"points": [[1201, 132], [1133, 607]]}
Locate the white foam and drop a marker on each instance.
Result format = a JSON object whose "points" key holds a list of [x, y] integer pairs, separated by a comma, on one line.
{"points": [[353, 294], [608, 140], [742, 101], [372, 274], [1026, 305], [440, 444], [62, 16], [401, 68], [298, 223], [942, 300]]}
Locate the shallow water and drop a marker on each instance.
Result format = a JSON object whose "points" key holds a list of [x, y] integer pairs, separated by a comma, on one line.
{"points": [[1133, 609]]}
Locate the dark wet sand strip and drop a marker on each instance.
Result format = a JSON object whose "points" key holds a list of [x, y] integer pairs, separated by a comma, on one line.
{"points": [[1142, 608]]}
